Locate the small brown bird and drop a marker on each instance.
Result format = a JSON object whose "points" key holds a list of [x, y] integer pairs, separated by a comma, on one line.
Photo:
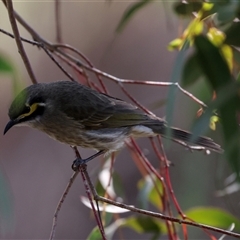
{"points": [[79, 116]]}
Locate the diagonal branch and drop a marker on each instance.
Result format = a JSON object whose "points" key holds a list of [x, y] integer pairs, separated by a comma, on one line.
{"points": [[21, 50]]}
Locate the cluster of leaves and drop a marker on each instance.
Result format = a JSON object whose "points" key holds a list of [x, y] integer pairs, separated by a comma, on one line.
{"points": [[213, 35]]}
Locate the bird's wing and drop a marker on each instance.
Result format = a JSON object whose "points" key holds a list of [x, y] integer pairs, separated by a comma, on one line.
{"points": [[99, 111]]}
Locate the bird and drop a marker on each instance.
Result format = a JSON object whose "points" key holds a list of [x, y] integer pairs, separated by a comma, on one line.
{"points": [[77, 115]]}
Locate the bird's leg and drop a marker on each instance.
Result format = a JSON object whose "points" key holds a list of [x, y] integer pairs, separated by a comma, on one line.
{"points": [[79, 161]]}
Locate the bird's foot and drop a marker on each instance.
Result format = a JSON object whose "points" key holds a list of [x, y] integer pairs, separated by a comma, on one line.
{"points": [[77, 163]]}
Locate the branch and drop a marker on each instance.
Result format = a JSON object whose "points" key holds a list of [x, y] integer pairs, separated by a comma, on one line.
{"points": [[57, 20], [62, 199], [154, 214], [21, 50]]}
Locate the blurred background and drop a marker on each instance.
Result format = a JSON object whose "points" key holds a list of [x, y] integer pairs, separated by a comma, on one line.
{"points": [[35, 169]]}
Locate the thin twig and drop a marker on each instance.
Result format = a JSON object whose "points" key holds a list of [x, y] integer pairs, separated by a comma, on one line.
{"points": [[55, 47], [62, 199], [163, 159], [134, 100], [83, 169], [160, 178], [58, 21], [75, 50], [58, 64], [18, 41], [34, 43]]}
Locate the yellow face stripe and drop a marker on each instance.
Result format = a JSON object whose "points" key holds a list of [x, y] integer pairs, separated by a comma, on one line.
{"points": [[33, 108]]}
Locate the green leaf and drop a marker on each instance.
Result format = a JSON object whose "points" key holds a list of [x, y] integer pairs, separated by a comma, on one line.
{"points": [[186, 9], [118, 185], [5, 65], [95, 234], [146, 225], [191, 71], [226, 11], [150, 191], [232, 34], [212, 63], [130, 12], [175, 44], [99, 188], [218, 76], [172, 93], [215, 217]]}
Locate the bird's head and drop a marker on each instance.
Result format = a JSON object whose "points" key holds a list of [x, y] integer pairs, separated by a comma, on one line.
{"points": [[27, 107]]}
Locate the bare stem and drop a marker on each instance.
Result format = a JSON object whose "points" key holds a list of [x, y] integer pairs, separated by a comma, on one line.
{"points": [[58, 21], [62, 199], [21, 50], [83, 170]]}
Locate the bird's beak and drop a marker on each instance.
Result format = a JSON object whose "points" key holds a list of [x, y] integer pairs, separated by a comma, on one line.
{"points": [[9, 125]]}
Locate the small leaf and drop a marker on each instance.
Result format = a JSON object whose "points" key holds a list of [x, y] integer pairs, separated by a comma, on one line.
{"points": [[146, 225], [215, 217], [207, 6], [5, 65], [213, 121], [194, 28], [227, 52], [216, 36], [95, 234], [130, 12], [175, 44]]}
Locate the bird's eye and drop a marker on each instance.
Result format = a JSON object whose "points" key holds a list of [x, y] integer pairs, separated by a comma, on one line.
{"points": [[26, 109]]}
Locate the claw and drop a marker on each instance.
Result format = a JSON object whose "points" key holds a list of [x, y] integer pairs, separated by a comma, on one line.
{"points": [[79, 161]]}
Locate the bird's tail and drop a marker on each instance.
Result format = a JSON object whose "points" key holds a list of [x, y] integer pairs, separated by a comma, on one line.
{"points": [[186, 137]]}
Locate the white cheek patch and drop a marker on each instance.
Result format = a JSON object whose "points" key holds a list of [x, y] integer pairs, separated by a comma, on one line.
{"points": [[142, 131]]}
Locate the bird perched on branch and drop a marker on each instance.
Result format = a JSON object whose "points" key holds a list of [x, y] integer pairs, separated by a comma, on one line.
{"points": [[80, 116]]}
